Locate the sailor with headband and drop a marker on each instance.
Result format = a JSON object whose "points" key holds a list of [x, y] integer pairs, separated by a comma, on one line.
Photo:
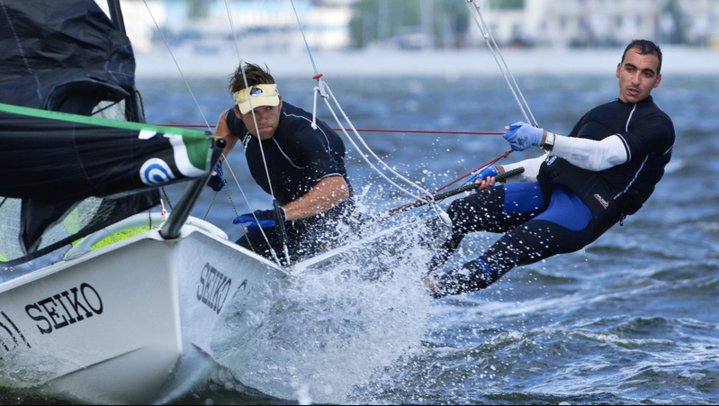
{"points": [[301, 167], [257, 96]]}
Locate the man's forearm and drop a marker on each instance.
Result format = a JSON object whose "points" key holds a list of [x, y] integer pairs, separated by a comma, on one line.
{"points": [[326, 194]]}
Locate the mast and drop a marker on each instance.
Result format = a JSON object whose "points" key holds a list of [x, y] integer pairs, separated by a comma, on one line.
{"points": [[133, 109], [116, 15]]}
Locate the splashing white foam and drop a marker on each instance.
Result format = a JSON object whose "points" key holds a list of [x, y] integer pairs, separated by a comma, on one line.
{"points": [[334, 324]]}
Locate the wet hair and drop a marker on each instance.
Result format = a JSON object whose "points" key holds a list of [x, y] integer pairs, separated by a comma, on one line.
{"points": [[255, 76], [645, 47]]}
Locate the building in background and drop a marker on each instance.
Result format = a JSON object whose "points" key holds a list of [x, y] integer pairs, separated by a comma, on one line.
{"points": [[597, 23], [211, 26]]}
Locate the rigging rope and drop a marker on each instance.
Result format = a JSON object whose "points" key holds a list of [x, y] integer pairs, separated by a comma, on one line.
{"points": [[304, 38], [501, 63], [351, 132], [373, 130], [211, 127], [426, 195], [177, 65], [235, 40], [322, 89], [242, 66]]}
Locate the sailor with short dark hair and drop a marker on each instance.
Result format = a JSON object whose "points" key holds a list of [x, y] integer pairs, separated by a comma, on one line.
{"points": [[589, 180]]}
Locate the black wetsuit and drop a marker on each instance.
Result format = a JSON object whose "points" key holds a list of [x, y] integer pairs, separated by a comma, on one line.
{"points": [[568, 207], [298, 157]]}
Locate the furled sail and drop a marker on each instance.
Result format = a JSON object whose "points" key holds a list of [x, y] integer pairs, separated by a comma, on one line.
{"points": [[52, 160], [58, 157], [63, 173]]}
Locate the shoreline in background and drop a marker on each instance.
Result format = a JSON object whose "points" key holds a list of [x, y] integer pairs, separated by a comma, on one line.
{"points": [[393, 63]]}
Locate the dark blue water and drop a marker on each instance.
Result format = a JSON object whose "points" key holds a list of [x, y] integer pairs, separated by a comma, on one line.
{"points": [[630, 319]]}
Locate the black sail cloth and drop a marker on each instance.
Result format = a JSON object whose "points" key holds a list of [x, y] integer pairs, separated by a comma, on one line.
{"points": [[69, 56]]}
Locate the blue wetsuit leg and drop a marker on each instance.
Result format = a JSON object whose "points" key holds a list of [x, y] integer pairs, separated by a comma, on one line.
{"points": [[565, 226], [497, 209]]}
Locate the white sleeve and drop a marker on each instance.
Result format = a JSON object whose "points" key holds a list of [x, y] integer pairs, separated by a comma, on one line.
{"points": [[590, 154], [531, 169]]}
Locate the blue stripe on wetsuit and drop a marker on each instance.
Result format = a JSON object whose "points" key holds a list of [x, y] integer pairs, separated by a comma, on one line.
{"points": [[522, 197], [565, 208]]}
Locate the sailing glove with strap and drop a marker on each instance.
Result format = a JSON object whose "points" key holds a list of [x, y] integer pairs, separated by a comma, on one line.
{"points": [[216, 181], [522, 136], [259, 218], [483, 174]]}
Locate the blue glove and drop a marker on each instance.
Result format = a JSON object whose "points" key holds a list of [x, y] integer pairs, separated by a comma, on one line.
{"points": [[522, 136], [216, 181], [260, 218], [483, 174]]}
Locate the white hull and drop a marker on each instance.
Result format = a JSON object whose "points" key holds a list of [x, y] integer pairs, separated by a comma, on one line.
{"points": [[139, 321], [129, 323]]}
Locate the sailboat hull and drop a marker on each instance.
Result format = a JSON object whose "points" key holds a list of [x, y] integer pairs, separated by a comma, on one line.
{"points": [[129, 323]]}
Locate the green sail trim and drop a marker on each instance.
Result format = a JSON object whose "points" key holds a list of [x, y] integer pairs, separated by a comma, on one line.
{"points": [[196, 143]]}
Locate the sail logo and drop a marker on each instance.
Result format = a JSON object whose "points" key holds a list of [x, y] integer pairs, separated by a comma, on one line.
{"points": [[10, 336], [155, 172], [65, 308], [213, 288]]}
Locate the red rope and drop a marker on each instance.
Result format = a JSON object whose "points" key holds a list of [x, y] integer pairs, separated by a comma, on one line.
{"points": [[491, 162], [372, 130], [184, 125], [367, 130], [376, 130]]}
